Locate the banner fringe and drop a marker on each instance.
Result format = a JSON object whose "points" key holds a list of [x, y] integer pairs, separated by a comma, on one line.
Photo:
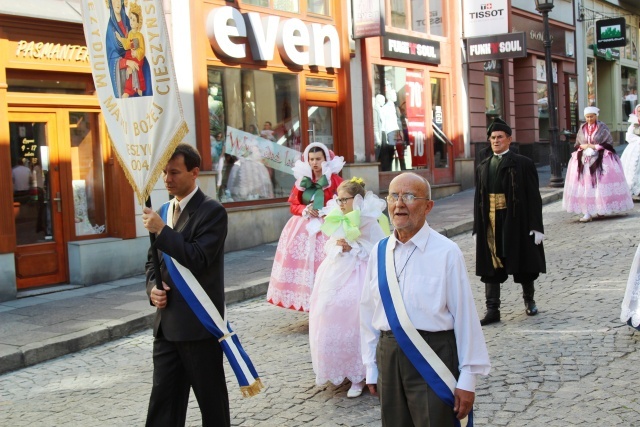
{"points": [[253, 389], [127, 171]]}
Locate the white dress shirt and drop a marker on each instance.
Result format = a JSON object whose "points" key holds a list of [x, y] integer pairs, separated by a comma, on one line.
{"points": [[436, 292]]}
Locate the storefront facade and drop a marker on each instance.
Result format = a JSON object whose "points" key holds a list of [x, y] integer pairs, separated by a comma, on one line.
{"points": [[65, 200], [68, 214], [609, 77], [515, 89], [269, 78], [411, 81]]}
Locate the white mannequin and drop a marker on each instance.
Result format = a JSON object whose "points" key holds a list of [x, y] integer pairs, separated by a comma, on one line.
{"points": [[389, 114], [378, 124]]}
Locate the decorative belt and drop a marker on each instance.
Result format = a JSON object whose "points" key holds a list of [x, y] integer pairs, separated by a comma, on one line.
{"points": [[497, 202]]}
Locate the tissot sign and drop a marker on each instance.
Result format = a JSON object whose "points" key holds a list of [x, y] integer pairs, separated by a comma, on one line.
{"points": [[414, 49], [503, 46], [483, 18], [298, 43]]}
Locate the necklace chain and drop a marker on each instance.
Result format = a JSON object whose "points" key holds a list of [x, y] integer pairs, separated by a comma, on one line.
{"points": [[405, 264]]}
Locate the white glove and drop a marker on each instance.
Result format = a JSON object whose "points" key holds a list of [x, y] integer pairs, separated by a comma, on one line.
{"points": [[538, 237]]}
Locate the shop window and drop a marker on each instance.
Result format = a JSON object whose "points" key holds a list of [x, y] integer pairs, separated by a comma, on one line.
{"points": [[436, 17], [64, 84], [420, 15], [493, 97], [262, 3], [314, 83], [543, 96], [320, 7], [321, 125], [399, 14], [285, 5], [574, 113], [591, 82], [87, 174], [629, 79], [630, 50], [390, 87], [440, 141], [254, 128]]}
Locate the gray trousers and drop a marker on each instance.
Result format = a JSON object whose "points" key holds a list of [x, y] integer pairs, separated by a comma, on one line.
{"points": [[405, 398]]}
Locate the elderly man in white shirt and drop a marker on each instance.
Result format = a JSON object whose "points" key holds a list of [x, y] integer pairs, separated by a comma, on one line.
{"points": [[431, 301]]}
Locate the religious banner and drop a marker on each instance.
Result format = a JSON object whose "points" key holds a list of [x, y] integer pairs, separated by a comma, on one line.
{"points": [[253, 147], [135, 82]]}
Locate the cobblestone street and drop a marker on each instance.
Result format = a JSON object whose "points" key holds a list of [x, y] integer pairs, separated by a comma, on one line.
{"points": [[573, 364]]}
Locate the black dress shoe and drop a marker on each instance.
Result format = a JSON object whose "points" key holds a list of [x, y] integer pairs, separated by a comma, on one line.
{"points": [[490, 317], [531, 308]]}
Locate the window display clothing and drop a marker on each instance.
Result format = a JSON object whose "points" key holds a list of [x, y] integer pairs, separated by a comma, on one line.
{"points": [[595, 183], [334, 322], [630, 158], [384, 148], [389, 120], [301, 246]]}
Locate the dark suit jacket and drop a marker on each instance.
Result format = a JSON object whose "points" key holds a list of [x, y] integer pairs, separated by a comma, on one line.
{"points": [[197, 243]]}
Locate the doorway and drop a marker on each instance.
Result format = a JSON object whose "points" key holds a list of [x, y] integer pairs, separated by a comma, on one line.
{"points": [[40, 256]]}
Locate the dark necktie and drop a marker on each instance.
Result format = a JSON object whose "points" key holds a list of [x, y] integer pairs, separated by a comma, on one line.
{"points": [[176, 213]]}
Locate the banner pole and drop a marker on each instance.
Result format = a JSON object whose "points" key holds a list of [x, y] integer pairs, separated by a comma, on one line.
{"points": [[154, 253]]}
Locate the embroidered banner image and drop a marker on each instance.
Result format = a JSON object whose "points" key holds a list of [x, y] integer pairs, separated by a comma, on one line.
{"points": [[135, 82]]}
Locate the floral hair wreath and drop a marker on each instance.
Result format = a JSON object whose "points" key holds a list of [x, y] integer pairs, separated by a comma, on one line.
{"points": [[357, 180]]}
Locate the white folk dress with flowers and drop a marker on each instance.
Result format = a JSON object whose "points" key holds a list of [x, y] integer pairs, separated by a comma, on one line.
{"points": [[301, 246], [334, 320], [630, 313]]}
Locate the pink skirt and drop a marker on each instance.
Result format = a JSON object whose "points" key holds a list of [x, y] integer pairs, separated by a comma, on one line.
{"points": [[298, 256], [610, 194]]}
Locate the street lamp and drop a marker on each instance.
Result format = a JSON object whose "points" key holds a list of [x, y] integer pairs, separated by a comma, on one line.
{"points": [[544, 7]]}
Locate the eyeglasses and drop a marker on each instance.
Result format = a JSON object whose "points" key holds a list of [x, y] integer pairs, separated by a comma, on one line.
{"points": [[407, 198], [344, 200]]}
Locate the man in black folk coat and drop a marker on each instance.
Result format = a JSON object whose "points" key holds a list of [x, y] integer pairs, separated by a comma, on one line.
{"points": [[185, 354], [507, 226]]}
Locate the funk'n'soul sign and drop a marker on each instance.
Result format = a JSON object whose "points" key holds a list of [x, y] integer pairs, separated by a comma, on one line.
{"points": [[135, 81]]}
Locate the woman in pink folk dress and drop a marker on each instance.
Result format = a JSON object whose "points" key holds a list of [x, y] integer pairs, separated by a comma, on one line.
{"points": [[595, 183], [334, 321], [301, 245]]}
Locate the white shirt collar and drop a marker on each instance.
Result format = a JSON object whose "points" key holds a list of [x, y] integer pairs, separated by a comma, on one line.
{"points": [[501, 154], [183, 203], [419, 239]]}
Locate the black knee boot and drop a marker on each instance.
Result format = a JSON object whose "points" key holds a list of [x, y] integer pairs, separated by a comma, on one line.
{"points": [[527, 294], [492, 292]]}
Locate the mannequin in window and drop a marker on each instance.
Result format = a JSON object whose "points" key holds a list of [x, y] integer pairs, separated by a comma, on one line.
{"points": [[379, 136], [216, 110], [389, 115]]}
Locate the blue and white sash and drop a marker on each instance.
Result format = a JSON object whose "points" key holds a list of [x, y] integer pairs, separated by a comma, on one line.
{"points": [[423, 358], [208, 314]]}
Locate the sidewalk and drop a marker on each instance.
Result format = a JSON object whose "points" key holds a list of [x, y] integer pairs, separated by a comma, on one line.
{"points": [[48, 325]]}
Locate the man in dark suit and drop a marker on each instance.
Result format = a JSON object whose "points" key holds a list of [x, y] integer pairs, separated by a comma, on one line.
{"points": [[185, 354], [507, 222]]}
